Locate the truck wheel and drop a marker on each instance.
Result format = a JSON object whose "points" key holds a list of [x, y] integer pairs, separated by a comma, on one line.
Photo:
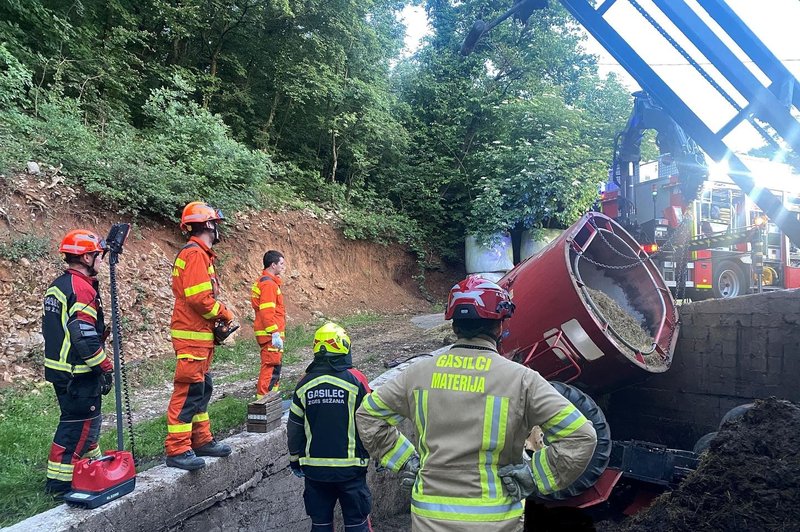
{"points": [[602, 452], [703, 443], [735, 413], [729, 280]]}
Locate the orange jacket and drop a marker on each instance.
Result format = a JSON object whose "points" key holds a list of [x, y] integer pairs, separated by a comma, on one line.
{"points": [[267, 301], [195, 287]]}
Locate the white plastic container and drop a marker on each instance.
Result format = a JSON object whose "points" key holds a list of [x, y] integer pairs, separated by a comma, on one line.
{"points": [[497, 257], [535, 240]]}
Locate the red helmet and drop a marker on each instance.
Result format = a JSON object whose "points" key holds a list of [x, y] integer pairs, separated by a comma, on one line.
{"points": [[475, 298], [80, 242], [199, 212]]}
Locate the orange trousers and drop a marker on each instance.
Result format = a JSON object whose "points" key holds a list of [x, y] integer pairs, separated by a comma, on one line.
{"points": [[270, 375], [188, 426]]}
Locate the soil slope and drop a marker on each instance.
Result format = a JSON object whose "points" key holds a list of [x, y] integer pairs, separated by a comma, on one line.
{"points": [[326, 273]]}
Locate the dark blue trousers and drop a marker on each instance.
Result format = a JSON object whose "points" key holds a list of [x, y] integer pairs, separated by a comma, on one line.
{"points": [[354, 498]]}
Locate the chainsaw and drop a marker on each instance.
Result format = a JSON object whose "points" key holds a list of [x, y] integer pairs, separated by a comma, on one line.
{"points": [[96, 481]]}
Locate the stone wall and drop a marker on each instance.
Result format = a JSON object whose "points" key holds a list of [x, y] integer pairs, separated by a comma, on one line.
{"points": [[729, 352]]}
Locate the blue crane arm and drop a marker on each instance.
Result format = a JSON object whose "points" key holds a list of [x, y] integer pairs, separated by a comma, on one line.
{"points": [[768, 107]]}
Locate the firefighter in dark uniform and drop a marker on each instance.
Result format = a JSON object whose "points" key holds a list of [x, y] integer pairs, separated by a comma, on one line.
{"points": [[324, 446], [75, 361]]}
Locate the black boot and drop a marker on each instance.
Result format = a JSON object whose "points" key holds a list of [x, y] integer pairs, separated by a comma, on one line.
{"points": [[213, 448], [188, 461], [57, 488]]}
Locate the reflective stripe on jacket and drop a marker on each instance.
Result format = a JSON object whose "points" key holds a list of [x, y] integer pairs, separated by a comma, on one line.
{"points": [[473, 410], [72, 296], [267, 301], [195, 287], [321, 430]]}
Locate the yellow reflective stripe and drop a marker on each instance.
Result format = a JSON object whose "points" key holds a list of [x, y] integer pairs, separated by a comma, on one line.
{"points": [[294, 457], [398, 455], [263, 333], [542, 475], [567, 421], [191, 335], [421, 420], [66, 344], [83, 307], [296, 410], [271, 328], [63, 366], [211, 269], [191, 356], [198, 288], [180, 263], [175, 272], [495, 417], [213, 312], [255, 289], [266, 305], [182, 427], [464, 509], [197, 418], [274, 349], [93, 453], [375, 407], [278, 291], [334, 462], [97, 359], [58, 466]]}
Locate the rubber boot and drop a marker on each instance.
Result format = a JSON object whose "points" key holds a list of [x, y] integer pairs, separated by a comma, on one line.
{"points": [[213, 448], [188, 461]]}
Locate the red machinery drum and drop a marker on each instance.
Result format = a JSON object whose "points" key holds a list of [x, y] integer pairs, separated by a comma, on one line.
{"points": [[591, 309]]}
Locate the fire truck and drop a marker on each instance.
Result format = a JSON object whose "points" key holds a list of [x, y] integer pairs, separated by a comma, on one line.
{"points": [[708, 239]]}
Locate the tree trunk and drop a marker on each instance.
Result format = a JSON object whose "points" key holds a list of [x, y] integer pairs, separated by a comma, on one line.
{"points": [[334, 157]]}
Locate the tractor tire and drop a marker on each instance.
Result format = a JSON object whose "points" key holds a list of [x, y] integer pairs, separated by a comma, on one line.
{"points": [[602, 452], [729, 280], [703, 443], [735, 413]]}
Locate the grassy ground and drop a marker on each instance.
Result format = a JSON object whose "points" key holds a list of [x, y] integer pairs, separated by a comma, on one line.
{"points": [[29, 415]]}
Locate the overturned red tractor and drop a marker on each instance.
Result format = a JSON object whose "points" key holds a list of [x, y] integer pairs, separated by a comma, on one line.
{"points": [[593, 315]]}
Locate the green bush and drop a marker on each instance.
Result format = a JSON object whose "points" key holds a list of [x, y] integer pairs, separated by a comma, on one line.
{"points": [[26, 247]]}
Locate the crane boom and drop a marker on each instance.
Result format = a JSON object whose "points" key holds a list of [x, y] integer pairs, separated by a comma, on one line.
{"points": [[768, 107]]}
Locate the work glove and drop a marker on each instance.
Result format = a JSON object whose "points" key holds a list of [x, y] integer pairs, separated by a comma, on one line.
{"points": [[277, 341], [106, 382], [296, 469], [518, 480], [408, 473], [223, 329]]}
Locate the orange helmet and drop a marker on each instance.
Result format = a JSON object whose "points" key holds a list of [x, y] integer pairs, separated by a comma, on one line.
{"points": [[80, 242], [199, 212]]}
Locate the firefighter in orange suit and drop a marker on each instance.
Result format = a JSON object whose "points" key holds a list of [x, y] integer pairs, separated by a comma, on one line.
{"points": [[74, 358], [270, 322], [196, 310]]}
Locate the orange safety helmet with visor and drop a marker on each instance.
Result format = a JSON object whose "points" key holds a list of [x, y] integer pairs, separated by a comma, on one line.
{"points": [[199, 212], [80, 242]]}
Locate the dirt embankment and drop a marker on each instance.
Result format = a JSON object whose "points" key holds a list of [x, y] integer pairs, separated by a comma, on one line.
{"points": [[326, 273]]}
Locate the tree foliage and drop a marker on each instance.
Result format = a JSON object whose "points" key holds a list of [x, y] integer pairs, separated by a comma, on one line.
{"points": [[264, 103]]}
